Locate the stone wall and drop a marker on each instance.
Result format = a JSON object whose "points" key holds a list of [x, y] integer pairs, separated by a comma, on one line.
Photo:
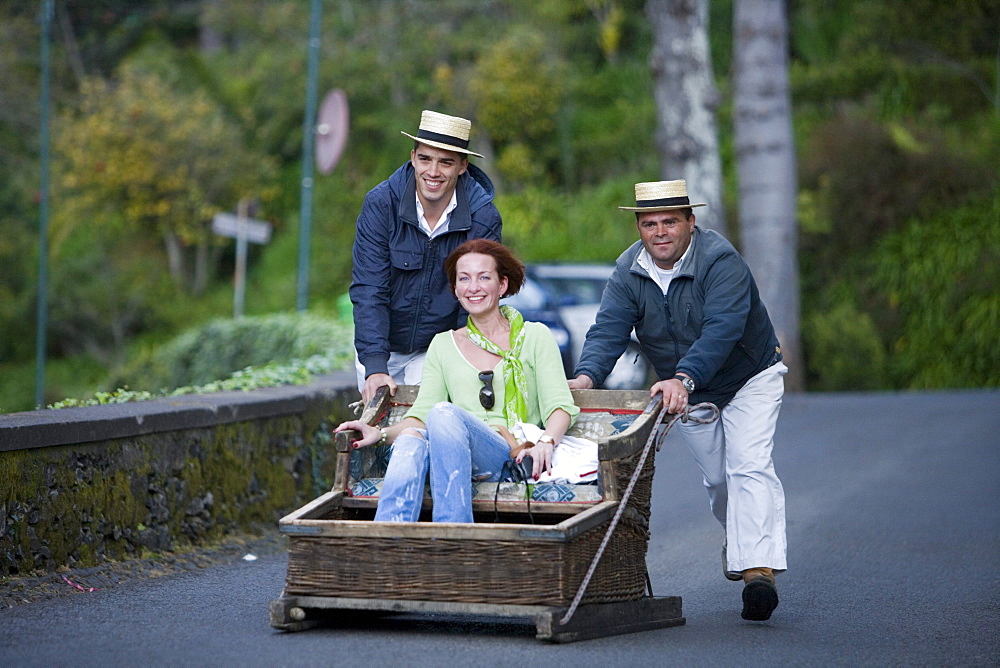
{"points": [[84, 485]]}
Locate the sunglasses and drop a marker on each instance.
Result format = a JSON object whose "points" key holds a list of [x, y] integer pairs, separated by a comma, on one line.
{"points": [[486, 396]]}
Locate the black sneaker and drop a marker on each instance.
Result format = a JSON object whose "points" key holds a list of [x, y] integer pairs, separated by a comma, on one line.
{"points": [[760, 598]]}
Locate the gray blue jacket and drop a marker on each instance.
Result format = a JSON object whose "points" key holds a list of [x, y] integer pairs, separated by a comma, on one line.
{"points": [[711, 324], [399, 289]]}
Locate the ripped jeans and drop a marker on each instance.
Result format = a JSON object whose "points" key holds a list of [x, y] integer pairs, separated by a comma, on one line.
{"points": [[456, 446]]}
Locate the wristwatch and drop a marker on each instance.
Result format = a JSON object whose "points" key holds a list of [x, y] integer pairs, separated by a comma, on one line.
{"points": [[688, 383], [545, 438]]}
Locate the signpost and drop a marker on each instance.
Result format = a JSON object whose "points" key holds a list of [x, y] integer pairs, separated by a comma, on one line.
{"points": [[243, 229]]}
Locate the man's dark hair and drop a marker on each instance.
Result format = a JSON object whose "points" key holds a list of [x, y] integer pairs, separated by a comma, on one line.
{"points": [[418, 144], [687, 213]]}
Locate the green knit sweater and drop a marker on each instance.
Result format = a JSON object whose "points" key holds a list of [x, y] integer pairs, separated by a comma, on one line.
{"points": [[448, 376]]}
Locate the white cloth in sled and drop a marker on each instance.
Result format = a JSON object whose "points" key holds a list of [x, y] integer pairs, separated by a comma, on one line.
{"points": [[573, 462]]}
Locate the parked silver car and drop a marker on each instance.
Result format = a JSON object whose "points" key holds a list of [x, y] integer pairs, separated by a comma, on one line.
{"points": [[576, 290]]}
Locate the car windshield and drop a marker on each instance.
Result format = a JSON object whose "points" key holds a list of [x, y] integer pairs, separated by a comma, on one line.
{"points": [[531, 297], [578, 290]]}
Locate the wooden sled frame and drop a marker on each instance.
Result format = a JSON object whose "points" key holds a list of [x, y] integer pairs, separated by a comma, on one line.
{"points": [[340, 562]]}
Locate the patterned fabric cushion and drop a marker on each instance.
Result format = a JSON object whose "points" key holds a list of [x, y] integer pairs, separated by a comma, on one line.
{"points": [[369, 488]]}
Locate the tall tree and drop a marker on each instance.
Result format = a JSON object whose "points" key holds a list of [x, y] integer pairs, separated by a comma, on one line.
{"points": [[153, 158], [765, 165], [686, 101]]}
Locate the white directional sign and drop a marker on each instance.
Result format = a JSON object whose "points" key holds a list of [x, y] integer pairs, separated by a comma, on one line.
{"points": [[228, 225], [242, 229]]}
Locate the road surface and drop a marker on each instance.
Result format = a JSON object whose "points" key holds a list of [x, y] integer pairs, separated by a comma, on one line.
{"points": [[893, 508]]}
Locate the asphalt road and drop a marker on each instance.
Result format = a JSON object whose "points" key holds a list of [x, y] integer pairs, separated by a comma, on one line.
{"points": [[893, 504]]}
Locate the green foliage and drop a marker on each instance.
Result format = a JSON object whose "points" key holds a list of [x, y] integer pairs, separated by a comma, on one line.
{"points": [[19, 116], [217, 349], [939, 283], [293, 372], [517, 87], [143, 156], [102, 292], [586, 226], [189, 106], [845, 352], [862, 179], [612, 123]]}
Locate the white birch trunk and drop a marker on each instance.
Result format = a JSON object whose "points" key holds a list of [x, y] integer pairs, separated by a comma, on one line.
{"points": [[766, 170], [175, 257], [686, 101]]}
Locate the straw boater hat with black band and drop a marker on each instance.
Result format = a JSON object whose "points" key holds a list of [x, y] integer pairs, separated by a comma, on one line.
{"points": [[661, 196], [450, 133]]}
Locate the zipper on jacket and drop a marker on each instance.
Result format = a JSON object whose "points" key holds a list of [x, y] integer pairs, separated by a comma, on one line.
{"points": [[670, 327], [428, 252]]}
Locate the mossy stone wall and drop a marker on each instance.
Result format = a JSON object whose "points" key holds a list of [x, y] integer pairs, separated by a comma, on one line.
{"points": [[235, 462]]}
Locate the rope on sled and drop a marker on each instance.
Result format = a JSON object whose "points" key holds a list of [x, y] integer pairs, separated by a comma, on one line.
{"points": [[684, 416]]}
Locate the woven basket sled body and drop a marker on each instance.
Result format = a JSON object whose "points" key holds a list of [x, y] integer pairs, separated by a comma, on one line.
{"points": [[341, 561]]}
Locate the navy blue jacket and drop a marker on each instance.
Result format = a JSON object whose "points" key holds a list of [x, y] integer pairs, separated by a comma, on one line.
{"points": [[399, 289], [711, 324]]}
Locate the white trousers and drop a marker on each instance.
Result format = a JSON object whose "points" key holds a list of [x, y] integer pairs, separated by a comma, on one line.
{"points": [[734, 454], [404, 369]]}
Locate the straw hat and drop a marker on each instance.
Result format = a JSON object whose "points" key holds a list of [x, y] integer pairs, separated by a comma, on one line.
{"points": [[661, 196], [448, 132]]}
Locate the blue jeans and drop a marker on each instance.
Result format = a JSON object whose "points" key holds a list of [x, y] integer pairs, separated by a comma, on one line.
{"points": [[456, 446]]}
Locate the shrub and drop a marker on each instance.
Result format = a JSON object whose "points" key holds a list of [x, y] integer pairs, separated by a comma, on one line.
{"points": [[221, 347], [939, 284], [843, 349]]}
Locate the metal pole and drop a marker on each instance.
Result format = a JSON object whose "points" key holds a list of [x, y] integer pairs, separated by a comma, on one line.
{"points": [[239, 289], [308, 142], [43, 212]]}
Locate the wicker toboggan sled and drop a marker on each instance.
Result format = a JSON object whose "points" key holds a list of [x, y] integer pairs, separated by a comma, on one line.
{"points": [[341, 560]]}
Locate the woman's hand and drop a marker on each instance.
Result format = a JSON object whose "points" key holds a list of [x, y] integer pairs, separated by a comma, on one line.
{"points": [[541, 457], [369, 435]]}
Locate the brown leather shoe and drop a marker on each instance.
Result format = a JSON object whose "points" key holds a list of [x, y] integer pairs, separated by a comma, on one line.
{"points": [[751, 573]]}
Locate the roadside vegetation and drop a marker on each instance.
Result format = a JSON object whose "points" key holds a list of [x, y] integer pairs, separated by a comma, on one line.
{"points": [[166, 113]]}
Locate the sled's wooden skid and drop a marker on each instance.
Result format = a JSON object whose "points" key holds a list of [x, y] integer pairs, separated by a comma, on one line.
{"points": [[298, 613]]}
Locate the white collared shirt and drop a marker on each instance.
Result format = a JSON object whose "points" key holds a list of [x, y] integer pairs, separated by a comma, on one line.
{"points": [[661, 276], [442, 225]]}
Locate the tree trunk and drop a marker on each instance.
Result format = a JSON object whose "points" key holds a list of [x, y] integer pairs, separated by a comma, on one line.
{"points": [[202, 264], [686, 100], [765, 165], [175, 257], [209, 39]]}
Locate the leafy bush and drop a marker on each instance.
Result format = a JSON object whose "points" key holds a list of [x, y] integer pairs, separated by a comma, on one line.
{"points": [[940, 282], [921, 311], [217, 349], [844, 351], [295, 372], [583, 227]]}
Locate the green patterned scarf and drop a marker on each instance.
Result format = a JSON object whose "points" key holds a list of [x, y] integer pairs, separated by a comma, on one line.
{"points": [[515, 405]]}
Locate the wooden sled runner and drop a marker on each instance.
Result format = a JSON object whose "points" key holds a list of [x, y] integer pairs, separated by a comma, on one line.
{"points": [[341, 561]]}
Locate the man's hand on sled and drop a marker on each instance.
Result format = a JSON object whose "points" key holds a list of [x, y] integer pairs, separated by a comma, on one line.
{"points": [[675, 397], [375, 381]]}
